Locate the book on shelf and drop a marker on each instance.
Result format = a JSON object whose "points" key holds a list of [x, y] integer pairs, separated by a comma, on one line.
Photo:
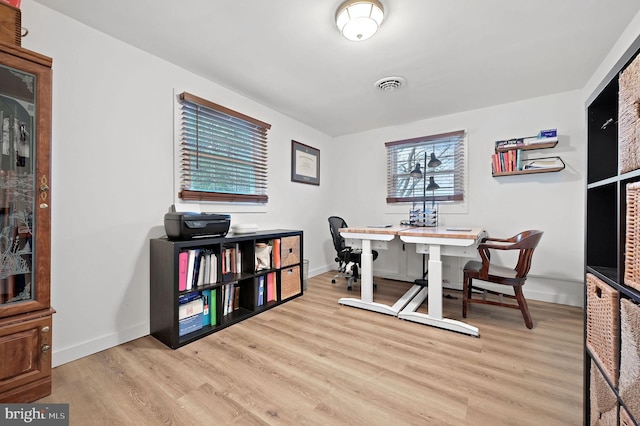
{"points": [[190, 313], [238, 266], [510, 143], [206, 307], [190, 267], [213, 307], [261, 290], [190, 324], [236, 297], [231, 298], [207, 267], [276, 253], [542, 163], [191, 307], [271, 287], [183, 265], [196, 268], [544, 136], [203, 267]]}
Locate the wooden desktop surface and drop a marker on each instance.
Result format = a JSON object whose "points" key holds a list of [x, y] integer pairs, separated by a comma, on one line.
{"points": [[442, 232], [393, 230], [411, 231]]}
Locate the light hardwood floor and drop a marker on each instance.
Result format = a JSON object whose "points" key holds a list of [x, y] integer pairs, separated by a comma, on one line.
{"points": [[312, 361]]}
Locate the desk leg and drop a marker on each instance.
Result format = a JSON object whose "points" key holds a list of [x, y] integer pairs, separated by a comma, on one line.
{"points": [[435, 282], [366, 288], [434, 317], [366, 279]]}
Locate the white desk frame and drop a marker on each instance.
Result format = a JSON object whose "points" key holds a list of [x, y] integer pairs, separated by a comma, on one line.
{"points": [[380, 237], [438, 241]]}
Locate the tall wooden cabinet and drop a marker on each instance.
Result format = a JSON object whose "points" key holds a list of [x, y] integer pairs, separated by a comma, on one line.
{"points": [[612, 335], [25, 232]]}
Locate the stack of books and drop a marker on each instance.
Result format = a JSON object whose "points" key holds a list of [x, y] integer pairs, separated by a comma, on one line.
{"points": [[190, 313]]}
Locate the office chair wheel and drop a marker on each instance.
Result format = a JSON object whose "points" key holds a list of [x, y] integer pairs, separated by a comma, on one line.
{"points": [[333, 281]]}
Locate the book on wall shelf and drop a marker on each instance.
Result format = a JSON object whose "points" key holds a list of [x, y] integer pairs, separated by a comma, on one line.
{"points": [[543, 163]]}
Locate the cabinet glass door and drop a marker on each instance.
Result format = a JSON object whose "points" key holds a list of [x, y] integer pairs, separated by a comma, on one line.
{"points": [[17, 182]]}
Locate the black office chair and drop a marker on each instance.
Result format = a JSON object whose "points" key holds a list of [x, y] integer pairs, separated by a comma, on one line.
{"points": [[345, 255]]}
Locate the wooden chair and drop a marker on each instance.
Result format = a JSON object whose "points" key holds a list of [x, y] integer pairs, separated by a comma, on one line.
{"points": [[526, 243]]}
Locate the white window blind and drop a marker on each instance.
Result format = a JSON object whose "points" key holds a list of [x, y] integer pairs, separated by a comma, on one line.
{"points": [[402, 157], [223, 153]]}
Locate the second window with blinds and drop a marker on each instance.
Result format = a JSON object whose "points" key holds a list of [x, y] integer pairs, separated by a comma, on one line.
{"points": [[441, 159]]}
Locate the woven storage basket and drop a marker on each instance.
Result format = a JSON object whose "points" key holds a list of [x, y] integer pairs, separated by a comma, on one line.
{"points": [[602, 325], [629, 381], [625, 419], [632, 243], [290, 250], [603, 402], [290, 282], [629, 117]]}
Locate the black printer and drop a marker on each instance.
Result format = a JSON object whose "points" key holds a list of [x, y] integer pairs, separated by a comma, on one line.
{"points": [[188, 225]]}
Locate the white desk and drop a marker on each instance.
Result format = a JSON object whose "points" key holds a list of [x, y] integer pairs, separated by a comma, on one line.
{"points": [[438, 241], [379, 236]]}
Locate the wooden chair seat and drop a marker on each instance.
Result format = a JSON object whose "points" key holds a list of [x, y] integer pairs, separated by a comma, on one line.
{"points": [[525, 242]]}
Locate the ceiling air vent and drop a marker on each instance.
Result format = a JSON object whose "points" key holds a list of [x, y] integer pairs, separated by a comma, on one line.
{"points": [[390, 84]]}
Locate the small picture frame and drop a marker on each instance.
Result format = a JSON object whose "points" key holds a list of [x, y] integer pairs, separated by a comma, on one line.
{"points": [[305, 163]]}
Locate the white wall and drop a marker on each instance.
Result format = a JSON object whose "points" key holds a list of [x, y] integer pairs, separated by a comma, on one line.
{"points": [[552, 202], [112, 177]]}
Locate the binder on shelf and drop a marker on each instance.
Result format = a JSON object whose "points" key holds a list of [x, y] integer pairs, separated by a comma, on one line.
{"points": [[196, 268], [207, 267], [213, 307], [276, 253], [189, 324], [206, 307], [213, 272], [191, 308], [200, 278], [261, 291], [238, 265], [236, 297], [183, 266], [190, 267], [271, 286]]}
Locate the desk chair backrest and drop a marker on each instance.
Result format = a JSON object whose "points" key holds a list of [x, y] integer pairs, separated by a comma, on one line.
{"points": [[526, 242], [335, 223]]}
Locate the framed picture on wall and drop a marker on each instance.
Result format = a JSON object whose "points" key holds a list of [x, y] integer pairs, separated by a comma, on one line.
{"points": [[305, 163]]}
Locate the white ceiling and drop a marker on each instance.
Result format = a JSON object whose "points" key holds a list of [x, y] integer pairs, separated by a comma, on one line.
{"points": [[456, 55]]}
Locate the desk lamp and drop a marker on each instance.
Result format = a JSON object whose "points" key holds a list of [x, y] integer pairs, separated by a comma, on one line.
{"points": [[416, 173]]}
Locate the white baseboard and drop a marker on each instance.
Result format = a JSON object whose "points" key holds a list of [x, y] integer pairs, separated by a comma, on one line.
{"points": [[72, 353]]}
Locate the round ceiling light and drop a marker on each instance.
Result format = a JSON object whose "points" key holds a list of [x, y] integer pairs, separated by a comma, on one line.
{"points": [[359, 20]]}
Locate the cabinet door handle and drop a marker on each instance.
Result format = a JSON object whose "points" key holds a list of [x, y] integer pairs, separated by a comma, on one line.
{"points": [[44, 191], [45, 348]]}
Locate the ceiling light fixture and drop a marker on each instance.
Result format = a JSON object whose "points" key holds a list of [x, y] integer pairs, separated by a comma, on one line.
{"points": [[359, 20]]}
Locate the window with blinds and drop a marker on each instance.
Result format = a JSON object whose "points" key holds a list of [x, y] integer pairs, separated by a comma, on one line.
{"points": [[402, 157], [223, 153]]}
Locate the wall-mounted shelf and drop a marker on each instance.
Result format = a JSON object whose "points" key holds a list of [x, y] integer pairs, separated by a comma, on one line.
{"points": [[529, 147], [508, 159], [534, 170]]}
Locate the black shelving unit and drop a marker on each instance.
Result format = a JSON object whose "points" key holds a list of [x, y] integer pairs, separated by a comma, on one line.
{"points": [[164, 281], [605, 233]]}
